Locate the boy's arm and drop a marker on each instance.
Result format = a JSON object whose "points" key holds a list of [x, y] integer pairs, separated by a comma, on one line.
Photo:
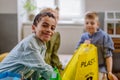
{"points": [[109, 62], [108, 47], [80, 41], [108, 56], [33, 59]]}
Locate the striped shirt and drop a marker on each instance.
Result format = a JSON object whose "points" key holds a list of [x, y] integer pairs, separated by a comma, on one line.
{"points": [[28, 54]]}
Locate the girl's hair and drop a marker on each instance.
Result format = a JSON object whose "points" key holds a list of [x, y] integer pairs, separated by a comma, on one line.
{"points": [[91, 15], [39, 16]]}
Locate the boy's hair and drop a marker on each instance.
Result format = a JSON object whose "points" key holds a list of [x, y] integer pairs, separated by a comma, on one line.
{"points": [[53, 11], [39, 16], [91, 15]]}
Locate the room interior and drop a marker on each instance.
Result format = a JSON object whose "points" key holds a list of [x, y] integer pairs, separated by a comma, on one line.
{"points": [[14, 30]]}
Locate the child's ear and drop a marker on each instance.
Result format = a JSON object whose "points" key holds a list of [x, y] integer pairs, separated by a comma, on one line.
{"points": [[33, 28]]}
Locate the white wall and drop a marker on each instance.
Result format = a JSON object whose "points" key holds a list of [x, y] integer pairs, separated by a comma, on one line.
{"points": [[70, 35], [8, 6], [102, 5]]}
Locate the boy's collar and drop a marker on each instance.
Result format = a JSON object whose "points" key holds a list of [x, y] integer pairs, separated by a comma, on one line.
{"points": [[39, 40], [98, 30]]}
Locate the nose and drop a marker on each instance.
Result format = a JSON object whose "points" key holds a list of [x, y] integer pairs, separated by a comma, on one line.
{"points": [[89, 24], [49, 29]]}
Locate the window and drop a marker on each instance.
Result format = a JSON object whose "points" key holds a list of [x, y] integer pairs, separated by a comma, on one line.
{"points": [[69, 9], [45, 3]]}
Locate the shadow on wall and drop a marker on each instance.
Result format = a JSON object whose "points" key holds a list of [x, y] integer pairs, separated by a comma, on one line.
{"points": [[8, 32]]}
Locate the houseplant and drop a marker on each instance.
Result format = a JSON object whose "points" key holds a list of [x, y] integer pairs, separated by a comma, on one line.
{"points": [[30, 7]]}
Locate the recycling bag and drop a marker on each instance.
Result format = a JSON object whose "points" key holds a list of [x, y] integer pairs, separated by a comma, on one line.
{"points": [[9, 76], [83, 65], [70, 70], [56, 75], [87, 66]]}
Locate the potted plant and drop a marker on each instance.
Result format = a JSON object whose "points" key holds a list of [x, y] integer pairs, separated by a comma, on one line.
{"points": [[30, 7]]}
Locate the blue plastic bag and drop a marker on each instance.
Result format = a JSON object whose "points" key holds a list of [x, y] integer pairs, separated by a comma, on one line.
{"points": [[9, 76]]}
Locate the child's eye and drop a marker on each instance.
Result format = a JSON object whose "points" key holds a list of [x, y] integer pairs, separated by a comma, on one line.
{"points": [[53, 28], [45, 25], [86, 23]]}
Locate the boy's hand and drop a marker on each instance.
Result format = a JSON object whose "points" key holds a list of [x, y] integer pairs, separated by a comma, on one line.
{"points": [[87, 41], [111, 76]]}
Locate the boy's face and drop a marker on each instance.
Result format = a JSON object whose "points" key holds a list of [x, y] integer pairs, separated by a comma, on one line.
{"points": [[91, 25], [45, 28]]}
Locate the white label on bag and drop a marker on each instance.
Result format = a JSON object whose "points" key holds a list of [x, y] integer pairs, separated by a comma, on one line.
{"points": [[54, 75]]}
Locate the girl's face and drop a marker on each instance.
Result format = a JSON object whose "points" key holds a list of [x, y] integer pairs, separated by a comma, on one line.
{"points": [[91, 25], [45, 28]]}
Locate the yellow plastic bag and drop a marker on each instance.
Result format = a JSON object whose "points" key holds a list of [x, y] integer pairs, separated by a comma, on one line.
{"points": [[70, 70], [83, 65], [87, 66]]}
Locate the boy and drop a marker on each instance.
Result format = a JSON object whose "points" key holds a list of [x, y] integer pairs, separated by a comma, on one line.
{"points": [[51, 56], [30, 52], [102, 41]]}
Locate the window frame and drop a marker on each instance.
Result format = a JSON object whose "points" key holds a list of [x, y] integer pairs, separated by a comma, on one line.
{"points": [[64, 17]]}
